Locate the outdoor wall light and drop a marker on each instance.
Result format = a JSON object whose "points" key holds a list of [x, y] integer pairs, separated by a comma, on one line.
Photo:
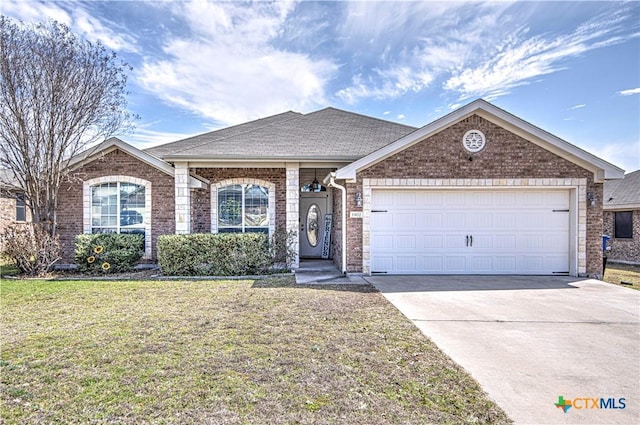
{"points": [[358, 199], [591, 197]]}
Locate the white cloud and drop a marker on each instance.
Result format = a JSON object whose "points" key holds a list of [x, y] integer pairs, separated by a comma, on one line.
{"points": [[580, 106], [521, 59], [625, 155], [389, 84], [473, 49], [143, 138], [400, 116], [230, 70], [76, 18], [629, 92]]}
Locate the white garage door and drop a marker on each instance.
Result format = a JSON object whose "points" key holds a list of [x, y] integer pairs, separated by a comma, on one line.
{"points": [[470, 231]]}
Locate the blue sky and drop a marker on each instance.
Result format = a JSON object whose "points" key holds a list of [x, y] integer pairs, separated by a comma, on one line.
{"points": [[571, 68]]}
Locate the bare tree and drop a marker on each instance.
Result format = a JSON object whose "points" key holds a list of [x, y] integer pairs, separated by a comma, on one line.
{"points": [[58, 95]]}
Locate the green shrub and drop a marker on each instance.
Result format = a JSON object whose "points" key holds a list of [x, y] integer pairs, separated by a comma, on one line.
{"points": [[219, 254], [108, 252]]}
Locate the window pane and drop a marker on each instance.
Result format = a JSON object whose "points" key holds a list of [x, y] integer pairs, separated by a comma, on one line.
{"points": [[624, 224], [256, 206], [230, 230], [132, 199], [103, 204], [230, 206], [116, 205], [21, 209]]}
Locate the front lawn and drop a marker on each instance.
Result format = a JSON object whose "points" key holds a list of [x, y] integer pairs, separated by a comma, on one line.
{"points": [[222, 352], [618, 273]]}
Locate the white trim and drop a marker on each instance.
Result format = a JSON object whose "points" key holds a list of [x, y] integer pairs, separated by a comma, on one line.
{"points": [[86, 204], [114, 143], [293, 207], [601, 169], [272, 200], [578, 223]]}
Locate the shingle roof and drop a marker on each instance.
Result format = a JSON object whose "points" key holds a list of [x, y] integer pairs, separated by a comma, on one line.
{"points": [[327, 134], [623, 193]]}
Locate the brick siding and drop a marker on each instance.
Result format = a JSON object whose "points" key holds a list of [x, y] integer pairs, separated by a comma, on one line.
{"points": [[505, 156], [114, 163], [623, 249]]}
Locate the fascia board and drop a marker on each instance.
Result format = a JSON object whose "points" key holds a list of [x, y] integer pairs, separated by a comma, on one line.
{"points": [[602, 169], [622, 207], [112, 144]]}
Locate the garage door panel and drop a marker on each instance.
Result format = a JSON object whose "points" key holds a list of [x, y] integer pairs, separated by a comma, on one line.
{"points": [[502, 242], [428, 221], [433, 264], [383, 242], [455, 264], [404, 242], [454, 220], [514, 231], [505, 264], [482, 263], [480, 220], [432, 242], [404, 220]]}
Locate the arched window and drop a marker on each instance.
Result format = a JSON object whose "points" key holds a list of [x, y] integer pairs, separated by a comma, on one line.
{"points": [[243, 208], [118, 204]]}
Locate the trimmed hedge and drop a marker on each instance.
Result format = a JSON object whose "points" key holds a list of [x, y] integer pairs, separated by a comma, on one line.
{"points": [[218, 254], [108, 252]]}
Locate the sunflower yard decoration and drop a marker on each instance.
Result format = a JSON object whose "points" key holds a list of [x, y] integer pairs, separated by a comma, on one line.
{"points": [[108, 253]]}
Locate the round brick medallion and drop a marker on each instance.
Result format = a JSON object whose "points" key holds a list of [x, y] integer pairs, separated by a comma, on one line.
{"points": [[474, 140]]}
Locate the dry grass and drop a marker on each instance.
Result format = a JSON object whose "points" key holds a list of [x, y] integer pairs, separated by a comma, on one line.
{"points": [[222, 352], [617, 273]]}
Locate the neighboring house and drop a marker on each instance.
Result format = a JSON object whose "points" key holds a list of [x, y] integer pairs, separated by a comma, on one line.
{"points": [[622, 217], [478, 191], [13, 208]]}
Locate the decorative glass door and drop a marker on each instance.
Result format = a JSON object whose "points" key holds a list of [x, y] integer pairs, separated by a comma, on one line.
{"points": [[312, 212]]}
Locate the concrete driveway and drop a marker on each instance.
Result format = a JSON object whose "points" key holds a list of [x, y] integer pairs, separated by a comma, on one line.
{"points": [[530, 340]]}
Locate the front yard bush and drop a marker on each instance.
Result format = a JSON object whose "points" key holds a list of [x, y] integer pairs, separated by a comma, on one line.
{"points": [[108, 252], [219, 254], [33, 250]]}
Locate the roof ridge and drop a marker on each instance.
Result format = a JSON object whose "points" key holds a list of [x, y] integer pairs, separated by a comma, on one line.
{"points": [[298, 115], [361, 115]]}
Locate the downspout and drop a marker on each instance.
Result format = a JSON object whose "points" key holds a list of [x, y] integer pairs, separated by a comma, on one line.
{"points": [[343, 189]]}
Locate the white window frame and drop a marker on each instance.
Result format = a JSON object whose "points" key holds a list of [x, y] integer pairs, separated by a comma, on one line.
{"points": [[87, 200], [243, 181]]}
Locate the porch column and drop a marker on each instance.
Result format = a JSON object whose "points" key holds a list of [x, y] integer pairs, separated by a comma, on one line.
{"points": [[182, 198], [293, 206]]}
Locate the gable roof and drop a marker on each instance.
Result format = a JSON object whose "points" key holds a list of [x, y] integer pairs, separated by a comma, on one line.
{"points": [[114, 143], [327, 134], [602, 169], [623, 194]]}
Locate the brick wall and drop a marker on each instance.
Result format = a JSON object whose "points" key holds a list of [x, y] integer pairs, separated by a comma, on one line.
{"points": [[201, 216], [623, 249], [505, 156], [115, 163], [7, 210]]}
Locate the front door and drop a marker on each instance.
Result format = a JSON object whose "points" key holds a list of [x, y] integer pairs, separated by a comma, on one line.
{"points": [[313, 207]]}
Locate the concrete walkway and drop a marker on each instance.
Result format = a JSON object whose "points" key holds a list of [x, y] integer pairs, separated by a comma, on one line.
{"points": [[530, 340]]}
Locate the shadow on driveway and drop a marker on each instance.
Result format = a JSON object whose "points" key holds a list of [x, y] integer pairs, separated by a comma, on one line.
{"points": [[412, 283]]}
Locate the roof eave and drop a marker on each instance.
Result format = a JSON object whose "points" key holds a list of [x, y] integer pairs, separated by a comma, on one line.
{"points": [[601, 169]]}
